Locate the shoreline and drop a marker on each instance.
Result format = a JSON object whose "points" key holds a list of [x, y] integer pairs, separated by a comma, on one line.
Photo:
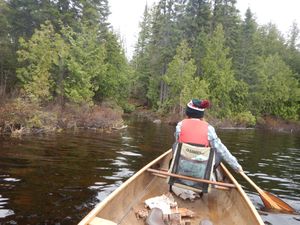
{"points": [[265, 123], [26, 118], [19, 117]]}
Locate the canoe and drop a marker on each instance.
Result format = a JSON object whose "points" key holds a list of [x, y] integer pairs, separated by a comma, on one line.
{"points": [[224, 205]]}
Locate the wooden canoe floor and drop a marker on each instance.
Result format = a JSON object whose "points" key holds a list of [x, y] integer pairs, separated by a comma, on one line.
{"points": [[221, 207]]}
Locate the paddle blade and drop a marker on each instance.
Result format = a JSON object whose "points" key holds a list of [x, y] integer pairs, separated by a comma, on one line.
{"points": [[272, 202]]}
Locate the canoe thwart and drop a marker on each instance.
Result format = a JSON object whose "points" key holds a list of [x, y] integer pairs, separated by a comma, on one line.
{"points": [[191, 178]]}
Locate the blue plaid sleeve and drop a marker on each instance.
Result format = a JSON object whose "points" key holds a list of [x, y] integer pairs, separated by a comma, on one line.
{"points": [[178, 130], [221, 149]]}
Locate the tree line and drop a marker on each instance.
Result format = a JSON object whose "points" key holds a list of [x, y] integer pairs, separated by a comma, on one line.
{"points": [[62, 51], [66, 51], [205, 49]]}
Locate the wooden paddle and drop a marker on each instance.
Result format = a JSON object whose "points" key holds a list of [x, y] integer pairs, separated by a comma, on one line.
{"points": [[270, 201]]}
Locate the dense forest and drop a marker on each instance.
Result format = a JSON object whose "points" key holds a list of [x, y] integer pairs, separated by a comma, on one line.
{"points": [[64, 53], [205, 49]]}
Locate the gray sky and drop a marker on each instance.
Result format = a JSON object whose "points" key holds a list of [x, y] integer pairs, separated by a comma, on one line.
{"points": [[126, 15]]}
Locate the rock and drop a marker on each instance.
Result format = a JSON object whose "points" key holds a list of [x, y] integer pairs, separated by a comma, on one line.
{"points": [[157, 121]]}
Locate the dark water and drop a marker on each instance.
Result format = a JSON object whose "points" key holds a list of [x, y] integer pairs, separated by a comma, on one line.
{"points": [[57, 179]]}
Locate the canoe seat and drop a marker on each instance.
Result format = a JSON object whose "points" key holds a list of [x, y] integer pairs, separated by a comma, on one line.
{"points": [[101, 221], [194, 161]]}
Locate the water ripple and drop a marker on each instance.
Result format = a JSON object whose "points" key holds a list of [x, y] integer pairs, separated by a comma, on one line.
{"points": [[11, 179], [5, 212], [129, 153]]}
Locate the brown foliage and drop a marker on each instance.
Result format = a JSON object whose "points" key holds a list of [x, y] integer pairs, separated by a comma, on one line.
{"points": [[19, 116]]}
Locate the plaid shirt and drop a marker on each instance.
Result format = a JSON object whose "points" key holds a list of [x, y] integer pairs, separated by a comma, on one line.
{"points": [[215, 142]]}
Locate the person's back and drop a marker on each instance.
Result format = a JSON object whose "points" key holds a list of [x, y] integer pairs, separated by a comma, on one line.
{"points": [[195, 130]]}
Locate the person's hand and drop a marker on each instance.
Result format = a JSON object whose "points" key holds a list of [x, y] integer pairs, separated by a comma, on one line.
{"points": [[239, 169]]}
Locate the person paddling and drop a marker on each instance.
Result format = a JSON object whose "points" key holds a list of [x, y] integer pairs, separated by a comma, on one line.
{"points": [[194, 129]]}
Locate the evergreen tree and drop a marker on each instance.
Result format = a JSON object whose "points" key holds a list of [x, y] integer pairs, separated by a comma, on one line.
{"points": [[276, 91], [141, 58], [116, 81], [164, 40], [95, 13], [28, 15], [7, 52], [246, 49], [197, 18], [217, 71], [180, 71], [270, 41], [85, 63], [226, 13], [196, 23], [293, 50], [38, 56], [64, 66]]}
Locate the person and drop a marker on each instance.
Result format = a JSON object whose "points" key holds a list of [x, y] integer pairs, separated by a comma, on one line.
{"points": [[194, 129]]}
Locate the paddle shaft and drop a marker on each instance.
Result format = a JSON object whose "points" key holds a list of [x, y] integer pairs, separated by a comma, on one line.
{"points": [[258, 189], [191, 178]]}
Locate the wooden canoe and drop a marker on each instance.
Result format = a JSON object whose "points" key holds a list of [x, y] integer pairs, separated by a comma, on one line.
{"points": [[221, 206]]}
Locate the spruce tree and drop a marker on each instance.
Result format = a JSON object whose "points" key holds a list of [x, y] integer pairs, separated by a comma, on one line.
{"points": [[226, 13], [180, 71], [141, 58], [217, 71], [246, 50], [293, 50]]}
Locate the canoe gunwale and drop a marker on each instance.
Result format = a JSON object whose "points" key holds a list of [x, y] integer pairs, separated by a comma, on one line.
{"points": [[243, 194], [137, 199], [92, 214]]}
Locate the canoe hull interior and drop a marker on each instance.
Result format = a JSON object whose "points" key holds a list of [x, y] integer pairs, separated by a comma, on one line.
{"points": [[219, 206]]}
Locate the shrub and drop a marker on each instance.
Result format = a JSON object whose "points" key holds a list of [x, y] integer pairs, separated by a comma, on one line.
{"points": [[245, 119]]}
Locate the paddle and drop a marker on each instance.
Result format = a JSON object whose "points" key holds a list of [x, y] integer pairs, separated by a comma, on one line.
{"points": [[270, 201]]}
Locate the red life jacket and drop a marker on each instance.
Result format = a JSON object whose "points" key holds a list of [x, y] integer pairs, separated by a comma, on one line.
{"points": [[194, 131]]}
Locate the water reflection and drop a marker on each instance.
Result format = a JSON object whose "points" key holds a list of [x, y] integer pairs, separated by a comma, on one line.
{"points": [[57, 179], [5, 212]]}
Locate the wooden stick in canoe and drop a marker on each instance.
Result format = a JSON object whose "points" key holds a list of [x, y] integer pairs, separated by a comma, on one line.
{"points": [[192, 178], [270, 201]]}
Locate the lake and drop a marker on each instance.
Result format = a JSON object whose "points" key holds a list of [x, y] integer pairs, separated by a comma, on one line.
{"points": [[58, 178]]}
